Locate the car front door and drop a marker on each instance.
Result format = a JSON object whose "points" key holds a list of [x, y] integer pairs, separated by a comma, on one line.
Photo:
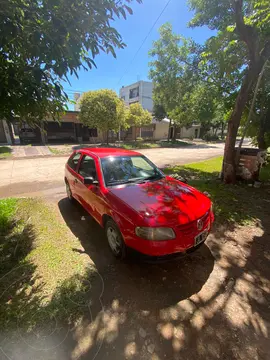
{"points": [[89, 195], [71, 174]]}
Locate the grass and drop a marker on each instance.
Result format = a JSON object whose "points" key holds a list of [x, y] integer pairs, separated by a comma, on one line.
{"points": [[153, 145], [56, 151], [124, 145], [5, 151], [234, 204], [38, 267]]}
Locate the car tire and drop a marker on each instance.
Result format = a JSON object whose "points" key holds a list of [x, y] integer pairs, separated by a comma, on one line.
{"points": [[115, 239], [69, 192]]}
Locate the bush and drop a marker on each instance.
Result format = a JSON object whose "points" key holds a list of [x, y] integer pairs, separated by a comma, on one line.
{"points": [[139, 139]]}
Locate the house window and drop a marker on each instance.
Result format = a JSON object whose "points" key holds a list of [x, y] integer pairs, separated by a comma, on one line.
{"points": [[133, 93], [147, 132], [93, 132]]}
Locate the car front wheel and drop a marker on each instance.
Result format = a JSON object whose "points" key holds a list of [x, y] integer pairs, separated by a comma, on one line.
{"points": [[115, 239]]}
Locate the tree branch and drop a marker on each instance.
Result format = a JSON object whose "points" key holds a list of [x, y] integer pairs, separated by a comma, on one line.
{"points": [[247, 33]]}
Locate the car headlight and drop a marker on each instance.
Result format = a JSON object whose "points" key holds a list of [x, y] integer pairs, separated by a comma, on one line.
{"points": [[155, 234]]}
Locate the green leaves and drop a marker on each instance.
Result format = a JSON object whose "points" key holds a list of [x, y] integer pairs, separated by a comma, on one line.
{"points": [[137, 116], [102, 109], [42, 42]]}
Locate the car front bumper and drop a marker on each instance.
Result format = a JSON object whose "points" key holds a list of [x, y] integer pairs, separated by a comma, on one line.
{"points": [[183, 243], [151, 259]]}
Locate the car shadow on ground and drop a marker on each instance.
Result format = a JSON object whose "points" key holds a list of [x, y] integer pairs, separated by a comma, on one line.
{"points": [[134, 297]]}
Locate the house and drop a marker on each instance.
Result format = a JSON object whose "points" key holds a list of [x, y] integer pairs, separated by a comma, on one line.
{"points": [[68, 129], [139, 92]]}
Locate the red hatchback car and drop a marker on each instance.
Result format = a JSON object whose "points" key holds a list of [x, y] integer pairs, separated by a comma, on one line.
{"points": [[139, 207]]}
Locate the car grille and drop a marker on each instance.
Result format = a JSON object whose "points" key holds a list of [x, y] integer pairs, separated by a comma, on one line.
{"points": [[191, 228]]}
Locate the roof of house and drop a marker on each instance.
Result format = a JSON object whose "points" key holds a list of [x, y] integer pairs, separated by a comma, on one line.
{"points": [[105, 152], [155, 121]]}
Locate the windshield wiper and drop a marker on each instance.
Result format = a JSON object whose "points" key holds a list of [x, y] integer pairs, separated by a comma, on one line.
{"points": [[120, 182], [154, 177]]}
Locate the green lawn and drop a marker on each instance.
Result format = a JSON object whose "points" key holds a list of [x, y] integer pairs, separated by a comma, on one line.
{"points": [[62, 151], [234, 204], [5, 151], [39, 267], [153, 145]]}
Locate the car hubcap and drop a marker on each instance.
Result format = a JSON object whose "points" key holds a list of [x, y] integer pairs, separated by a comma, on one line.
{"points": [[114, 240], [68, 191]]}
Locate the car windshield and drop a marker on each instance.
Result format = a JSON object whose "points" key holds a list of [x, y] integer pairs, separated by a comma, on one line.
{"points": [[128, 169]]}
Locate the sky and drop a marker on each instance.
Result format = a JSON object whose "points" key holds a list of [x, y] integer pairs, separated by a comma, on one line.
{"points": [[113, 73]]}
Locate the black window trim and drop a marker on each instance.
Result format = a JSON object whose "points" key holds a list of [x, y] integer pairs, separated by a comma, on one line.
{"points": [[79, 161], [83, 156]]}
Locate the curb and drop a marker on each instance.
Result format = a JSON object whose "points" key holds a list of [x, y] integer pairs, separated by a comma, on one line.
{"points": [[33, 157]]}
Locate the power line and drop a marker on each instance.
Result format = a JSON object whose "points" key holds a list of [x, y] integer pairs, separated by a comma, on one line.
{"points": [[73, 91], [144, 40]]}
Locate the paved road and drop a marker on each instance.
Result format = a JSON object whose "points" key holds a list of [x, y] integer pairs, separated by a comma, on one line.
{"points": [[44, 176]]}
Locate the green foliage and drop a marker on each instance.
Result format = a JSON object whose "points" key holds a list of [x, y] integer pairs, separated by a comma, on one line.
{"points": [[168, 71], [137, 116], [182, 86], [7, 210], [5, 151], [42, 42], [102, 109], [159, 112], [259, 129]]}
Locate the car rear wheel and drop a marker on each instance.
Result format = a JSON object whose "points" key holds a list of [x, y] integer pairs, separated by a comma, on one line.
{"points": [[69, 192], [115, 239]]}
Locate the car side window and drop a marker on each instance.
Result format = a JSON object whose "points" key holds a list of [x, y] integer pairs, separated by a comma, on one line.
{"points": [[73, 161], [88, 167]]}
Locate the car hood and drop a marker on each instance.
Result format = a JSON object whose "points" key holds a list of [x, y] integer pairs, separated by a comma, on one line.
{"points": [[163, 202]]}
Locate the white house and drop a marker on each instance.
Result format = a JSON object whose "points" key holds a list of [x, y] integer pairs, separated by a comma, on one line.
{"points": [[139, 92]]}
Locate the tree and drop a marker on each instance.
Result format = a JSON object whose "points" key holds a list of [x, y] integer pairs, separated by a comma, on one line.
{"points": [[136, 116], [42, 42], [159, 112], [102, 109], [245, 23], [172, 71], [164, 69], [259, 127]]}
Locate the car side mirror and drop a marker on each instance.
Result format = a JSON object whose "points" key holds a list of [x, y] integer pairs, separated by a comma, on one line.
{"points": [[90, 181]]}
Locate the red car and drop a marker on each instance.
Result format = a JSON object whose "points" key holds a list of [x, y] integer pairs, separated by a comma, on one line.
{"points": [[139, 207]]}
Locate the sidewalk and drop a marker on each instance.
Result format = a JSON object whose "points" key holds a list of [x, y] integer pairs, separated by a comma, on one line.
{"points": [[21, 151]]}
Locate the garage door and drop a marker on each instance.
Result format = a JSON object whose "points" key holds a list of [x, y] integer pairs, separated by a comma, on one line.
{"points": [[63, 131]]}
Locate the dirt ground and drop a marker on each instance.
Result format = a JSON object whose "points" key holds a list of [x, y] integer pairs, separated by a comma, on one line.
{"points": [[213, 304]]}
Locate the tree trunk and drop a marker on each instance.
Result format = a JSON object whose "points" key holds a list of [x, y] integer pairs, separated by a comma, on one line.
{"points": [[229, 166], [135, 128], [169, 132], [174, 132], [107, 137], [261, 134]]}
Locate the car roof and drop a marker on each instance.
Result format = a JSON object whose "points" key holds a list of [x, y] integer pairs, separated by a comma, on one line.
{"points": [[104, 152]]}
